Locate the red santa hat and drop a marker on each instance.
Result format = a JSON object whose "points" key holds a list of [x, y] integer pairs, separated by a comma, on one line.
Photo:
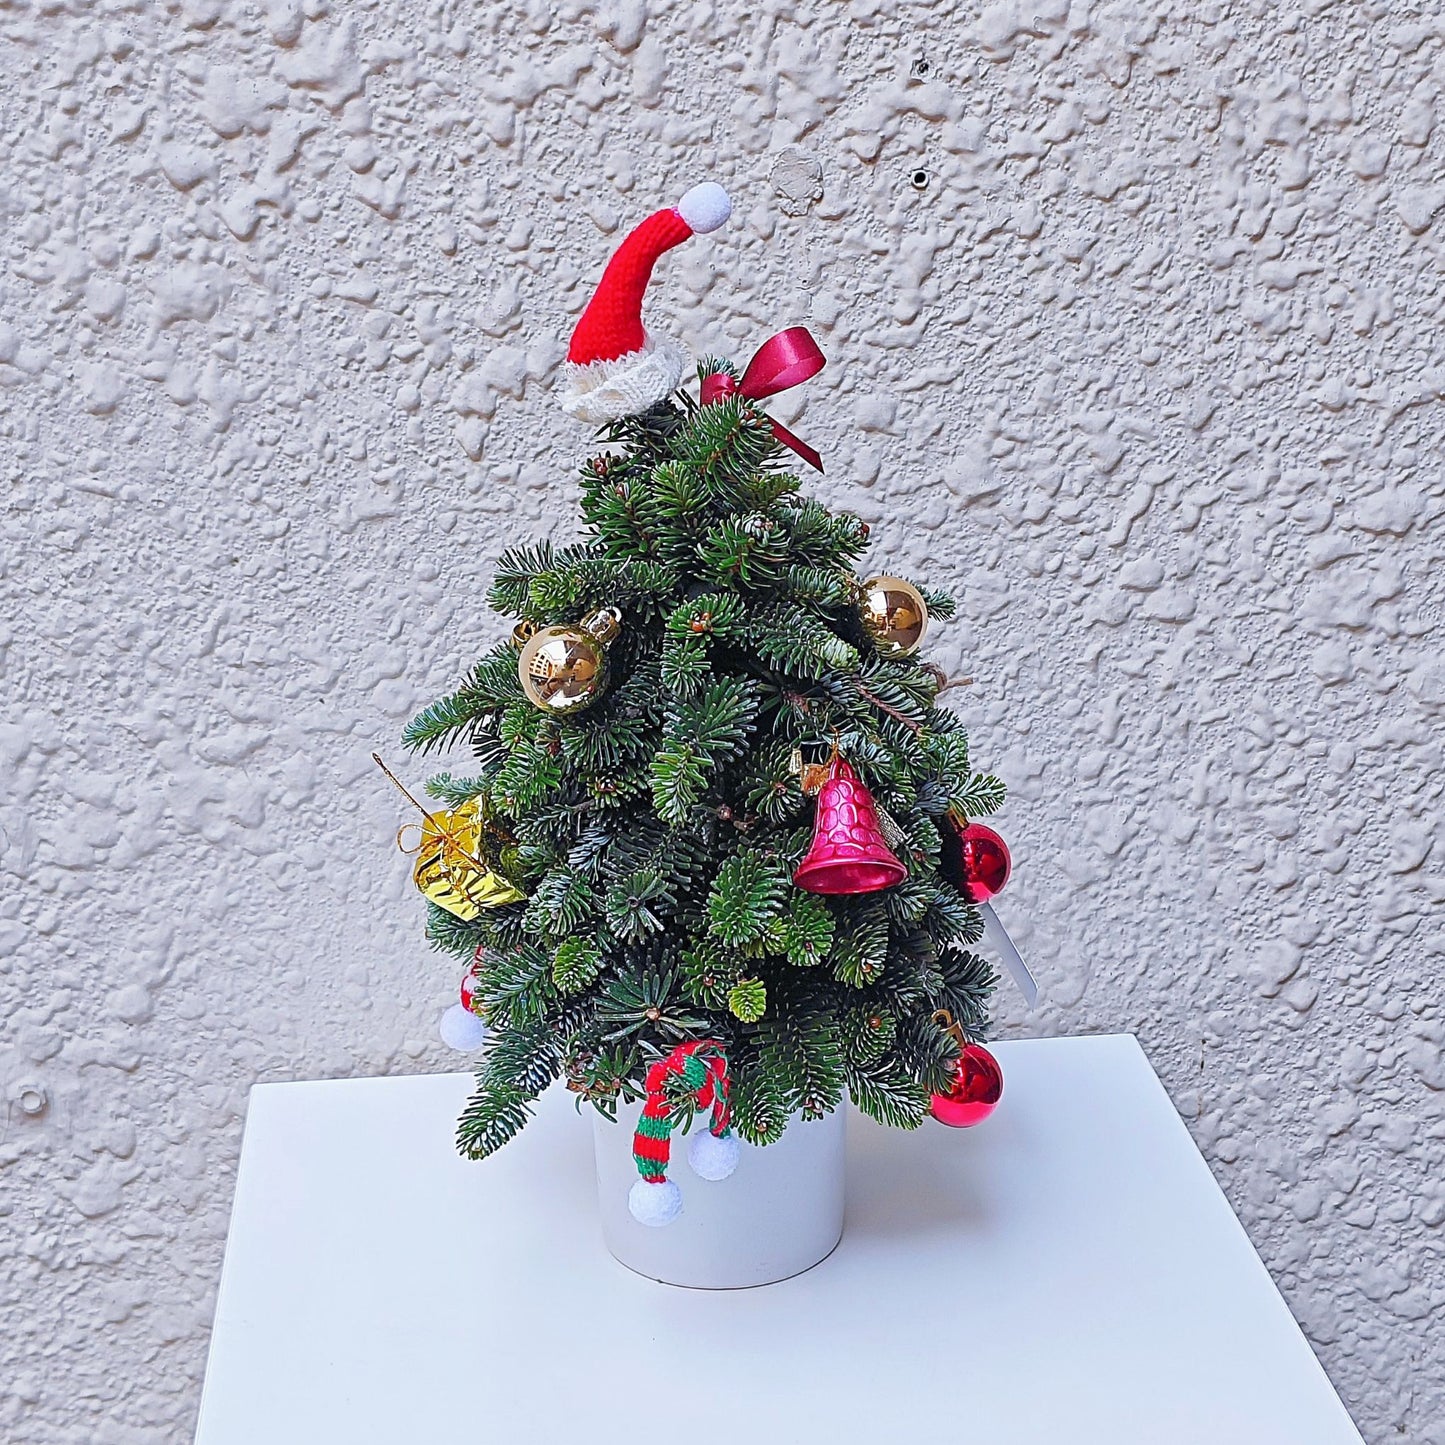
{"points": [[614, 367]]}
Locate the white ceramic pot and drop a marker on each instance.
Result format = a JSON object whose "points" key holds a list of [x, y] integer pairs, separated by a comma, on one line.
{"points": [[779, 1213]]}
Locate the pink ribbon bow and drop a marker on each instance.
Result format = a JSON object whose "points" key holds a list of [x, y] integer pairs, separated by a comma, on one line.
{"points": [[782, 361]]}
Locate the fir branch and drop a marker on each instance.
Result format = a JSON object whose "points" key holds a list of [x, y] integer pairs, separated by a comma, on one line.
{"points": [[967, 981], [527, 777], [939, 604], [896, 713], [450, 934], [516, 986], [760, 1106], [685, 665], [712, 614], [690, 626], [516, 1066], [644, 1004], [950, 917], [717, 366], [822, 586], [707, 974], [747, 896], [746, 549], [561, 903], [748, 1000], [725, 446], [801, 1046], [807, 931], [649, 434], [639, 904], [926, 1051], [601, 746], [512, 581], [700, 733], [980, 795], [908, 902], [867, 1032], [439, 724], [494, 679], [884, 1091], [789, 637], [604, 1076], [860, 947], [828, 540], [576, 964], [452, 792]]}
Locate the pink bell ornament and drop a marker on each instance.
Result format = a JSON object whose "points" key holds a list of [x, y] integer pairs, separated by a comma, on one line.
{"points": [[848, 854]]}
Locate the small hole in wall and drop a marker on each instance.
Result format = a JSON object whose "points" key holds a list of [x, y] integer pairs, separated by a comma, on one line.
{"points": [[919, 180], [921, 66]]}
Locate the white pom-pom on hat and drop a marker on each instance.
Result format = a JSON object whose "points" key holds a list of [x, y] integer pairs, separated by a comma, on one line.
{"points": [[461, 1029], [655, 1204], [713, 1157], [705, 207]]}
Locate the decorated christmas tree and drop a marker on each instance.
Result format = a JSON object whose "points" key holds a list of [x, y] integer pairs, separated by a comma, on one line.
{"points": [[715, 828]]}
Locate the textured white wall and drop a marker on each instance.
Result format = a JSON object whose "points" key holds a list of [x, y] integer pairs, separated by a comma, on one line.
{"points": [[1150, 371]]}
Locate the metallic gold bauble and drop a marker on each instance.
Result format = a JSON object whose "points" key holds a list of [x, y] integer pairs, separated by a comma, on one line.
{"points": [[895, 615], [564, 669], [452, 865]]}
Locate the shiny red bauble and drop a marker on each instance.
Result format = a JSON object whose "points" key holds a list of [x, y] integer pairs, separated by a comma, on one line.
{"points": [[975, 860], [977, 1088]]}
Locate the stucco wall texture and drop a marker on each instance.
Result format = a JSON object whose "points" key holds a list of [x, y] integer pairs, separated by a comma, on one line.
{"points": [[1133, 322]]}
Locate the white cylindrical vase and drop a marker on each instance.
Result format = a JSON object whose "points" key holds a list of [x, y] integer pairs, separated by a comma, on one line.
{"points": [[780, 1212]]}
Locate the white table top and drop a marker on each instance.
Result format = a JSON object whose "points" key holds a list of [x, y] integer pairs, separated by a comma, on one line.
{"points": [[1067, 1272]]}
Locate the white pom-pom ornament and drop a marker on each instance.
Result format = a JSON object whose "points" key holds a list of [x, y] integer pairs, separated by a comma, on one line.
{"points": [[461, 1029], [711, 1157], [655, 1203]]}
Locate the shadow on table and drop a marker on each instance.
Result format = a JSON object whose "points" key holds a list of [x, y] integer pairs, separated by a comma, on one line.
{"points": [[933, 1180]]}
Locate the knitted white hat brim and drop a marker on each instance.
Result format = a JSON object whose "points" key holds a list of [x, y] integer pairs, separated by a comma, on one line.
{"points": [[603, 391]]}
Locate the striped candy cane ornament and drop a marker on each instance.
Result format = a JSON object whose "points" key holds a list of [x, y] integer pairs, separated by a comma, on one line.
{"points": [[702, 1068]]}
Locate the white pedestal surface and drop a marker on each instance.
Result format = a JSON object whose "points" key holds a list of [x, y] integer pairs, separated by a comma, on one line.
{"points": [[1068, 1271]]}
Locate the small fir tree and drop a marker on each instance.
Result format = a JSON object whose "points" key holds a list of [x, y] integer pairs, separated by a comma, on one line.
{"points": [[655, 832]]}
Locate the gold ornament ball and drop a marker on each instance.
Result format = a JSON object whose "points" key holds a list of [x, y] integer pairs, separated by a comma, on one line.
{"points": [[895, 615], [564, 669]]}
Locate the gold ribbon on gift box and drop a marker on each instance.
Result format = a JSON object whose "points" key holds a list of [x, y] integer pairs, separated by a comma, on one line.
{"points": [[452, 867]]}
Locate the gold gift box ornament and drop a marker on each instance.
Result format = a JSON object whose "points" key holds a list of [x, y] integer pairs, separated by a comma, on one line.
{"points": [[452, 868]]}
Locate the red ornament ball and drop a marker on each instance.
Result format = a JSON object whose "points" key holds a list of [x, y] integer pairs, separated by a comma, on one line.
{"points": [[470, 984], [977, 1087], [975, 860]]}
